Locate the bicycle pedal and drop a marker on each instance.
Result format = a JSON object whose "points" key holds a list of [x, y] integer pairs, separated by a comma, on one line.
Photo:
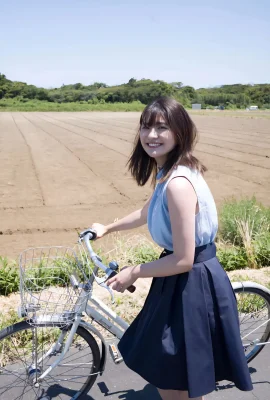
{"points": [[115, 354]]}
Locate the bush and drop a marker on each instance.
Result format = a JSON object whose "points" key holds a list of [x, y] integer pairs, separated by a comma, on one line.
{"points": [[246, 225], [144, 254], [9, 277], [232, 257], [261, 246], [246, 212]]}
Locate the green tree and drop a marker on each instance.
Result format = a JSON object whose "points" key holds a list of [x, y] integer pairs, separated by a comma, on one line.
{"points": [[177, 85], [132, 81]]}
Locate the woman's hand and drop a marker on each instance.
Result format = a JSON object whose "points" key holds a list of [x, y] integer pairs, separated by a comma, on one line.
{"points": [[100, 229], [125, 278]]}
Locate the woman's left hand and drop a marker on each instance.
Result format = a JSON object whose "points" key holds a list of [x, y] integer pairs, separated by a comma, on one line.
{"points": [[125, 278]]}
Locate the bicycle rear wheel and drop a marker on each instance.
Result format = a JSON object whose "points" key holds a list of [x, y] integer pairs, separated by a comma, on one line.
{"points": [[71, 379], [254, 317]]}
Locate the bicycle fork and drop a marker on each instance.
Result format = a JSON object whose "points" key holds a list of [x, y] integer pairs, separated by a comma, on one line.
{"points": [[34, 369]]}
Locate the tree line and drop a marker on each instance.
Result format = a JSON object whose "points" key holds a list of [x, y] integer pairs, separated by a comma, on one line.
{"points": [[144, 91]]}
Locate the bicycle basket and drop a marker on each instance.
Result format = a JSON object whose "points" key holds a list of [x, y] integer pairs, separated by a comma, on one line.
{"points": [[47, 296]]}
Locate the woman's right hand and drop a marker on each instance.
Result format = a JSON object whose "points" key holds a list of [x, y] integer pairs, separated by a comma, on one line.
{"points": [[100, 229]]}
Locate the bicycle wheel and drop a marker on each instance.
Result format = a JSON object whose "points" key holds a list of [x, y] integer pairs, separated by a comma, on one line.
{"points": [[71, 379], [254, 317]]}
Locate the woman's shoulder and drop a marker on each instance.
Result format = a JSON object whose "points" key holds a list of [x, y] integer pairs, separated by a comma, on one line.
{"points": [[184, 171], [195, 178], [192, 175]]}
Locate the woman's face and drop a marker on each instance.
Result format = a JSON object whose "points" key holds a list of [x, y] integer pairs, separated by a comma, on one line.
{"points": [[157, 140]]}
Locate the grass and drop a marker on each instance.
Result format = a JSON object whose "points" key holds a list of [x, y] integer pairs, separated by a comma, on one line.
{"points": [[9, 277], [244, 234], [38, 105], [25, 105], [133, 249], [249, 303], [231, 257], [234, 113], [241, 218]]}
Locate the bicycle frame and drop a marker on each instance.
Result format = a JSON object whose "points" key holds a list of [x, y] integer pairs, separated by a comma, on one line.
{"points": [[115, 325]]}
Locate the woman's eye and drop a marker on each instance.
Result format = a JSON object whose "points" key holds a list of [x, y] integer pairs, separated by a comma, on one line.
{"points": [[162, 127], [144, 127]]}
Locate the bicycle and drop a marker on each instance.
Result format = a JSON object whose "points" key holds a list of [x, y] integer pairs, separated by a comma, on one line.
{"points": [[54, 345]]}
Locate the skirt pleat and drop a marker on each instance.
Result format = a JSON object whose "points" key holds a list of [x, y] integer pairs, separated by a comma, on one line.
{"points": [[187, 335]]}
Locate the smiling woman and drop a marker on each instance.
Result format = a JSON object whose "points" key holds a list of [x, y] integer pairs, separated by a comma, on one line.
{"points": [[166, 138], [187, 336], [157, 140]]}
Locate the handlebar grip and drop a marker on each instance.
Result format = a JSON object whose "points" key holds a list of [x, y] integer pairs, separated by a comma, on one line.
{"points": [[90, 231], [94, 234], [131, 288]]}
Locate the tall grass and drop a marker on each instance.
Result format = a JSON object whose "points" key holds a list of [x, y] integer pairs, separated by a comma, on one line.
{"points": [[245, 232], [240, 219]]}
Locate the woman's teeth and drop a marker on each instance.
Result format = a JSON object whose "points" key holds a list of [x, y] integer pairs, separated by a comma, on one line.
{"points": [[154, 144]]}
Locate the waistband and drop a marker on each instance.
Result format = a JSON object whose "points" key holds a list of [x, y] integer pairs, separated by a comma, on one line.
{"points": [[202, 253]]}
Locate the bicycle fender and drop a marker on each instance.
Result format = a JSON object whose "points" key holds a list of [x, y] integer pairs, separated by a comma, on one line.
{"points": [[249, 284], [103, 357]]}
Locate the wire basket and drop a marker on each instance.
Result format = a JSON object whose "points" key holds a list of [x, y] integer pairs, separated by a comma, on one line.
{"points": [[47, 296]]}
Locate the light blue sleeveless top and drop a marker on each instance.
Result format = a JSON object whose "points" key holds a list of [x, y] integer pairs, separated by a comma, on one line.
{"points": [[158, 219]]}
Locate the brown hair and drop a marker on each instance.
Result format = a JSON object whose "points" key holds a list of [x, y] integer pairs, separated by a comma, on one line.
{"points": [[142, 165]]}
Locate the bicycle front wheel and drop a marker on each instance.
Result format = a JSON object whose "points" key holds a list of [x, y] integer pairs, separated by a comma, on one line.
{"points": [[254, 317], [24, 355]]}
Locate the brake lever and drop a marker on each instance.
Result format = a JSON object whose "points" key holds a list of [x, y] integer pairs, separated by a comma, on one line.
{"points": [[109, 290], [101, 282]]}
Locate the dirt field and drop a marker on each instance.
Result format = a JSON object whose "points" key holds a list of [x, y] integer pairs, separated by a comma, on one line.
{"points": [[62, 171]]}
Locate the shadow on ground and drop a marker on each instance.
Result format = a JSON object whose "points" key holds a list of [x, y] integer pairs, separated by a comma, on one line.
{"points": [[231, 385], [149, 392]]}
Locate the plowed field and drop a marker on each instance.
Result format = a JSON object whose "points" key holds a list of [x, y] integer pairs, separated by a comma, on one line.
{"points": [[62, 171]]}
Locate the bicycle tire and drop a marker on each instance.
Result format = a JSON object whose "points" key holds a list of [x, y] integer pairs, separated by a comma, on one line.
{"points": [[81, 332], [266, 335]]}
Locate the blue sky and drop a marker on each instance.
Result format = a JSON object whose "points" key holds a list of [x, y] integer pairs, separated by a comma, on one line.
{"points": [[200, 43]]}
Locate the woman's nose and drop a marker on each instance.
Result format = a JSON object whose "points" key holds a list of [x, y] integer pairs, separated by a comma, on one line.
{"points": [[152, 133]]}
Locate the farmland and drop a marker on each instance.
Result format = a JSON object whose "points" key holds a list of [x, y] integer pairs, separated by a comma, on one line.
{"points": [[62, 171]]}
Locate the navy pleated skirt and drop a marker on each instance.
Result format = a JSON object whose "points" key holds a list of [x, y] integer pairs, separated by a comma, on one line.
{"points": [[187, 335]]}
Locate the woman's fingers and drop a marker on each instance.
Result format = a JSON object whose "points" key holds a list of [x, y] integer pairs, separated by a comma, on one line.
{"points": [[115, 285], [110, 281], [122, 280]]}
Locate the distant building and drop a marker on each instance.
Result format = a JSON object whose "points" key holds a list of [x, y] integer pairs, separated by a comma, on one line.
{"points": [[253, 108], [196, 106]]}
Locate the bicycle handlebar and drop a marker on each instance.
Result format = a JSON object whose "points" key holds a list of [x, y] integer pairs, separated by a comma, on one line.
{"points": [[89, 235]]}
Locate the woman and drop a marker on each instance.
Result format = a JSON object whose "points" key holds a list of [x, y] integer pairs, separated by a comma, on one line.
{"points": [[186, 337]]}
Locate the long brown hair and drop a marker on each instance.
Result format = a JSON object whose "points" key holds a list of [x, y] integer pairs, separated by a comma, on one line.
{"points": [[141, 165]]}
